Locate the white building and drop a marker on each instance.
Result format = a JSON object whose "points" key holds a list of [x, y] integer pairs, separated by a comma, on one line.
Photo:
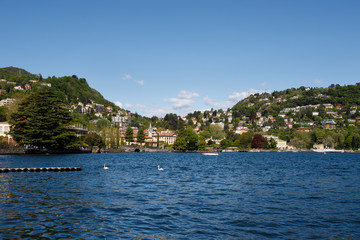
{"points": [[280, 144], [6, 101], [4, 129], [167, 136]]}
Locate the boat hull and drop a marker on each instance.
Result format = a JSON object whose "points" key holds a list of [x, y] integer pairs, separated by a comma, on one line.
{"points": [[328, 150], [210, 153]]}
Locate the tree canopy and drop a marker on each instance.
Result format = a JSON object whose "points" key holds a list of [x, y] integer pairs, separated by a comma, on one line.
{"points": [[129, 134], [186, 140], [140, 137], [42, 122]]}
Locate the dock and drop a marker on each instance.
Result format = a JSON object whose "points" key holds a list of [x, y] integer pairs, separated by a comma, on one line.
{"points": [[41, 169]]}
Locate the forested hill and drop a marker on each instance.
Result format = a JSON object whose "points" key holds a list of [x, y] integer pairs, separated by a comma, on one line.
{"points": [[70, 89], [14, 74], [273, 103]]}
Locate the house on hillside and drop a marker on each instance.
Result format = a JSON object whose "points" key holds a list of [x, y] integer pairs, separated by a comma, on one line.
{"points": [[167, 136], [240, 130], [280, 144], [120, 120], [4, 129], [19, 88], [328, 124], [45, 84], [7, 101]]}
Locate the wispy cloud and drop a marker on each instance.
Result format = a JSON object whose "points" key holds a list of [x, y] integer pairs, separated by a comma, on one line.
{"points": [[232, 99], [183, 100], [263, 84], [182, 104], [208, 101], [149, 111], [185, 94], [128, 106], [179, 103], [317, 81], [119, 104], [129, 77]]}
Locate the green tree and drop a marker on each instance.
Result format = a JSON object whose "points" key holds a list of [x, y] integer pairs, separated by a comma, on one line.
{"points": [[225, 143], [93, 139], [273, 143], [205, 134], [244, 141], [41, 121], [140, 136], [202, 143], [102, 123], [189, 137], [180, 143], [129, 134], [216, 132]]}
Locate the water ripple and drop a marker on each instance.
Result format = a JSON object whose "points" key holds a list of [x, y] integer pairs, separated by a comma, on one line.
{"points": [[231, 196]]}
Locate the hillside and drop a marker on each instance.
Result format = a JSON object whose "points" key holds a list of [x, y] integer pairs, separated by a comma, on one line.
{"points": [[70, 88], [274, 103]]}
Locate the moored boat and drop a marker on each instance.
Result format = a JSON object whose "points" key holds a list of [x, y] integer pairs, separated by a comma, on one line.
{"points": [[210, 153], [328, 150]]}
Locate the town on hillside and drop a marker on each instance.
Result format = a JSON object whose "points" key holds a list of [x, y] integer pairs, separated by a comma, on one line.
{"points": [[289, 120]]}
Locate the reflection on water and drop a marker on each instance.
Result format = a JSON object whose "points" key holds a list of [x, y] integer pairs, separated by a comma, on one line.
{"points": [[230, 196]]}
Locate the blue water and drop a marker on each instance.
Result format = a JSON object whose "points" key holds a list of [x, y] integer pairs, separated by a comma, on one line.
{"points": [[230, 196]]}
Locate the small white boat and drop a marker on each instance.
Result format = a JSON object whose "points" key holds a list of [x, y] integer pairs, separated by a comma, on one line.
{"points": [[328, 150], [210, 153]]}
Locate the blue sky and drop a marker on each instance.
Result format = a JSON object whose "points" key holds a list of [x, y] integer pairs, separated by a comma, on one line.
{"points": [[156, 57]]}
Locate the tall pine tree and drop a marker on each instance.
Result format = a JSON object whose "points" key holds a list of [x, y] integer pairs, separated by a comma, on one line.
{"points": [[42, 122], [140, 136], [129, 135]]}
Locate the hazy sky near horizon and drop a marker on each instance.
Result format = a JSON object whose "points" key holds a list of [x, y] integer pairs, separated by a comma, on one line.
{"points": [[155, 57]]}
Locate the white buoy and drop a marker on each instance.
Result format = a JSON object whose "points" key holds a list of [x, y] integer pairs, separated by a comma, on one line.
{"points": [[105, 167]]}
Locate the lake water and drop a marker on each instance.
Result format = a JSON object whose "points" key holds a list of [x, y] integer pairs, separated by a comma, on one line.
{"points": [[230, 196]]}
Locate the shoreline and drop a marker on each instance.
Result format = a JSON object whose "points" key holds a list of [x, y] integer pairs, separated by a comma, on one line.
{"points": [[17, 151]]}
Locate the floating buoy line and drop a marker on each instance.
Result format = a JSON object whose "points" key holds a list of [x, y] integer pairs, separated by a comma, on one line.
{"points": [[41, 169]]}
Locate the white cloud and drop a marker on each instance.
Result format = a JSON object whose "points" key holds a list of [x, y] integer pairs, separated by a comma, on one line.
{"points": [[183, 100], [126, 77], [180, 102], [185, 94], [263, 84], [208, 101], [129, 77], [317, 81], [237, 96], [128, 105], [233, 98], [118, 104], [141, 106], [156, 111]]}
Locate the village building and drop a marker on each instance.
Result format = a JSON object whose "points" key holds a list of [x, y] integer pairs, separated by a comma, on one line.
{"points": [[4, 129], [240, 130], [45, 84], [167, 137], [7, 101], [328, 124]]}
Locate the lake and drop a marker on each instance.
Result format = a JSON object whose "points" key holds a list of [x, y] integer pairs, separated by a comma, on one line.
{"points": [[230, 196]]}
